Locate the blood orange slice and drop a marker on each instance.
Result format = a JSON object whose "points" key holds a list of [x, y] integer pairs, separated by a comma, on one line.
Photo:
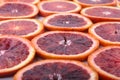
{"points": [[27, 28], [106, 61], [56, 70], [50, 7], [102, 13], [67, 21], [15, 52], [26, 1], [88, 3], [106, 32], [17, 10], [65, 45]]}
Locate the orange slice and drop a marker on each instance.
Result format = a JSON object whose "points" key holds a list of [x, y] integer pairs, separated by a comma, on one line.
{"points": [[67, 22], [56, 70], [106, 61], [88, 3], [17, 10], [65, 45], [26, 1], [15, 52], [102, 13], [106, 32], [27, 28], [50, 7]]}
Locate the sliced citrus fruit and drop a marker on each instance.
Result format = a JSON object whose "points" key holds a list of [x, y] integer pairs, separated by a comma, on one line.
{"points": [[27, 28], [106, 32], [26, 1], [15, 52], [106, 61], [102, 13], [65, 45], [17, 10], [56, 70], [88, 3], [50, 7], [67, 21]]}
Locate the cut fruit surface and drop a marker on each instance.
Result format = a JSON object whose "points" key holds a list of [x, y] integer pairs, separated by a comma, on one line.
{"points": [[65, 45], [15, 10], [106, 32], [27, 28], [26, 1], [50, 7], [56, 70], [67, 21], [88, 3], [15, 53], [102, 13], [106, 61]]}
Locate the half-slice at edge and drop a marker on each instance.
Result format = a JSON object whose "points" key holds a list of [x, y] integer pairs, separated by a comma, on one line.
{"points": [[15, 53], [57, 69]]}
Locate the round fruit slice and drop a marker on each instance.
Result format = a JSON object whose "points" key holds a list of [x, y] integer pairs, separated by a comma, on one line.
{"points": [[50, 7], [106, 61], [56, 70], [15, 52], [106, 32], [17, 10], [26, 1], [102, 13], [88, 3], [27, 28], [65, 45], [67, 21]]}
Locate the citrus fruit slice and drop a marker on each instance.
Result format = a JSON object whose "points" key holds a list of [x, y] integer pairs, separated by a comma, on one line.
{"points": [[65, 45], [15, 52], [27, 28], [17, 10], [102, 13], [56, 70], [106, 61], [88, 3], [50, 7], [106, 32], [26, 1], [67, 21]]}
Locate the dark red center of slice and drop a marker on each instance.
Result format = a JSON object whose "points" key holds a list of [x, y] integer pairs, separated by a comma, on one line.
{"points": [[56, 71], [109, 61], [64, 43], [12, 52], [96, 1], [58, 6], [18, 27], [67, 21], [14, 10], [110, 31], [103, 12]]}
